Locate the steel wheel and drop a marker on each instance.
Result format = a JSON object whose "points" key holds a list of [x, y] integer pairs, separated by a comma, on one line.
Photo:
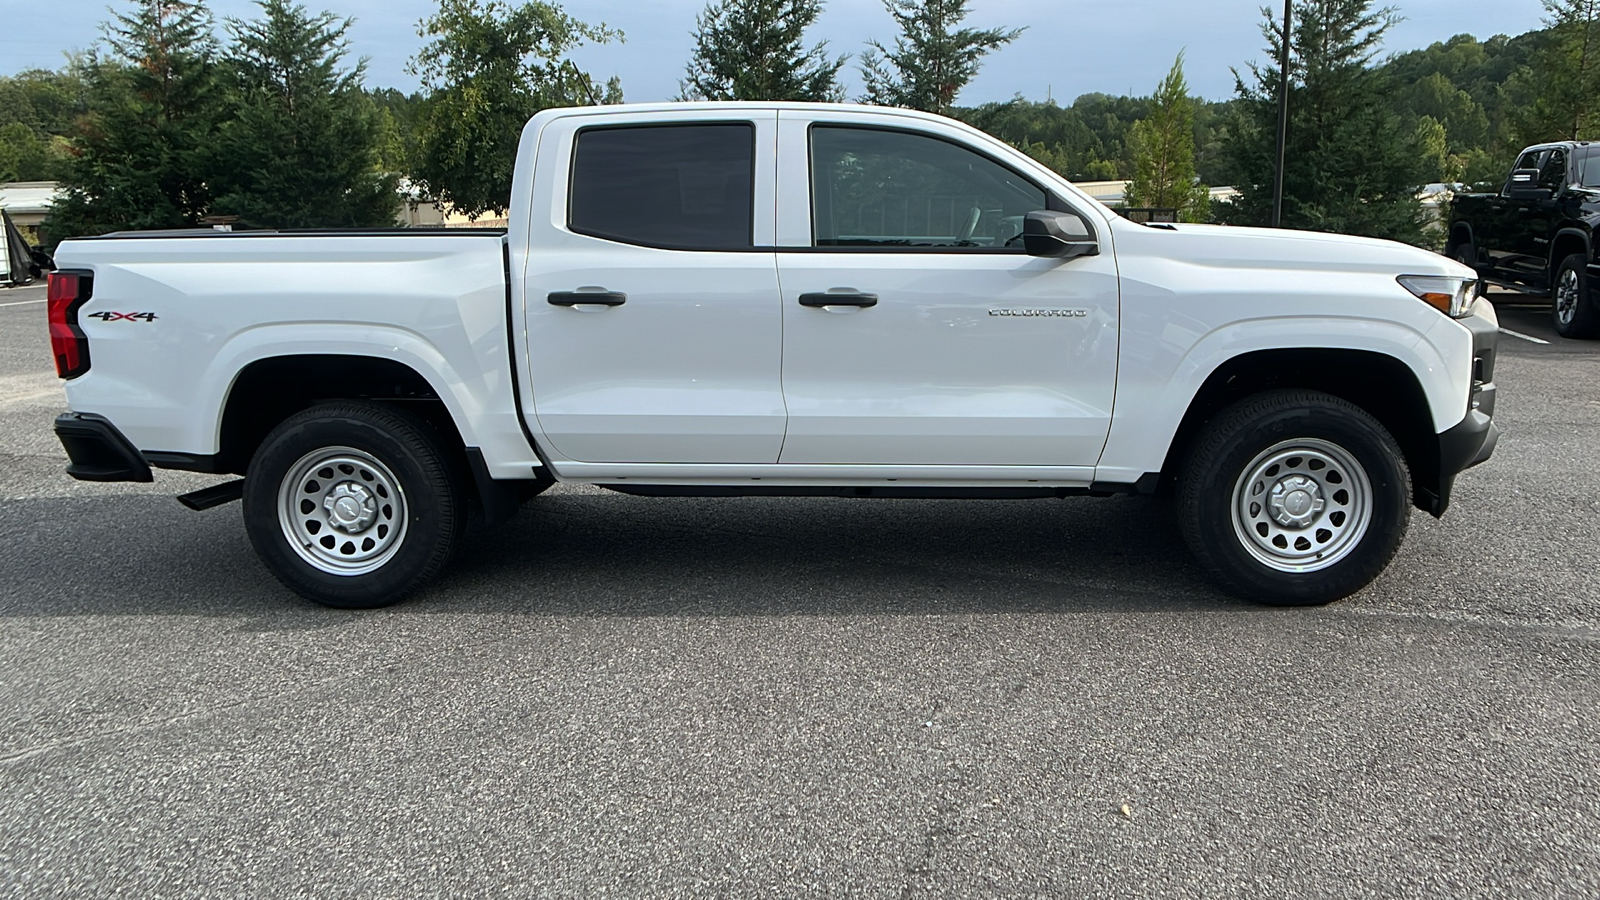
{"points": [[1302, 505], [1294, 497], [342, 511], [1569, 291]]}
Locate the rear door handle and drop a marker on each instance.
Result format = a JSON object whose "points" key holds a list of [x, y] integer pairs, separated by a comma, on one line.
{"points": [[839, 298], [587, 296]]}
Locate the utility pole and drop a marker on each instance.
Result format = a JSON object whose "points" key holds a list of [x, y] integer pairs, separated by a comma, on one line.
{"points": [[1283, 121]]}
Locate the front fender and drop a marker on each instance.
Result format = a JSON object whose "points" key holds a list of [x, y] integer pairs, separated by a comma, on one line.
{"points": [[1152, 398]]}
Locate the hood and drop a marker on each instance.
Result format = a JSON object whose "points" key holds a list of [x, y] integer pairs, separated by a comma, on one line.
{"points": [[1276, 248]]}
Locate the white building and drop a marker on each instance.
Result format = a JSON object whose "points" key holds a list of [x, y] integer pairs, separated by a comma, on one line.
{"points": [[28, 201]]}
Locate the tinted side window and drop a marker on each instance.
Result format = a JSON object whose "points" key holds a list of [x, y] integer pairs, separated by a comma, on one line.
{"points": [[680, 186], [1589, 167], [1554, 175], [892, 189]]}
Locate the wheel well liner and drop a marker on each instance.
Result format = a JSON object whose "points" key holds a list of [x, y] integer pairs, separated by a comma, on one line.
{"points": [[270, 390], [1383, 386], [1565, 244]]}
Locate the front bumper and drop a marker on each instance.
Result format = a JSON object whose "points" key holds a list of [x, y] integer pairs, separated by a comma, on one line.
{"points": [[98, 451], [1472, 440]]}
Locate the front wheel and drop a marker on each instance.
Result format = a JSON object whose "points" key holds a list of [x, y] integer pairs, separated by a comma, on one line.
{"points": [[1294, 498], [352, 505], [1573, 312]]}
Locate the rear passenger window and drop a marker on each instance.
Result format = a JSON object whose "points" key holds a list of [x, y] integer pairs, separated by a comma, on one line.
{"points": [[685, 187], [1589, 163]]}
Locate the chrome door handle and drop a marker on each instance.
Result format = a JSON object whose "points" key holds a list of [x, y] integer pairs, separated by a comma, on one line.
{"points": [[586, 297], [840, 298]]}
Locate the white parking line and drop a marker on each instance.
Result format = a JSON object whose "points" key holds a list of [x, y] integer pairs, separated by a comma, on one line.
{"points": [[1526, 337], [20, 303]]}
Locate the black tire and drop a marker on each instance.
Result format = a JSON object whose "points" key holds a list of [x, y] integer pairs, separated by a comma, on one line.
{"points": [[386, 497], [1573, 312], [1467, 255], [1338, 556]]}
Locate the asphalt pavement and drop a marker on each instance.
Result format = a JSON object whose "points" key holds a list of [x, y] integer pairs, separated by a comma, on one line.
{"points": [[617, 696]]}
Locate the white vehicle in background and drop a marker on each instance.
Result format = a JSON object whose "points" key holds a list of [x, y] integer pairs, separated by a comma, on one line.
{"points": [[780, 299]]}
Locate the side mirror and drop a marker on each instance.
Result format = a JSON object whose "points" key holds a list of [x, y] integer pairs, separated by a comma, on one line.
{"points": [[1524, 185], [1058, 235]]}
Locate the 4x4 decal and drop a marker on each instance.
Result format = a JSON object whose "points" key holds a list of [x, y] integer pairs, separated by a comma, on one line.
{"points": [[123, 316]]}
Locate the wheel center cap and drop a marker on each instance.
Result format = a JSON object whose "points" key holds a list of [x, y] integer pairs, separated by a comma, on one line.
{"points": [[350, 507], [1295, 501]]}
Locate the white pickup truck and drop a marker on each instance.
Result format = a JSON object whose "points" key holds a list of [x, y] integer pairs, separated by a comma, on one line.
{"points": [[780, 299]]}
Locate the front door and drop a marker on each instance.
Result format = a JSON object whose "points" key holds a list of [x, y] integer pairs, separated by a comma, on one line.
{"points": [[654, 322], [916, 330], [1534, 223]]}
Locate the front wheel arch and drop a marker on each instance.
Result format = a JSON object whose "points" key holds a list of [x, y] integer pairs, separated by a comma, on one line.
{"points": [[1381, 385]]}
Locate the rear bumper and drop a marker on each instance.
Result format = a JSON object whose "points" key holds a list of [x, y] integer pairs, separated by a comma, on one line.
{"points": [[98, 451]]}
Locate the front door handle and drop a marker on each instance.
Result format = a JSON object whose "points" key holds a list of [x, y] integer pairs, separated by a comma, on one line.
{"points": [[587, 296], [839, 298]]}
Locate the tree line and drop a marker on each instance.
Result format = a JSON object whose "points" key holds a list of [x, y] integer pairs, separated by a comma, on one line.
{"points": [[175, 118]]}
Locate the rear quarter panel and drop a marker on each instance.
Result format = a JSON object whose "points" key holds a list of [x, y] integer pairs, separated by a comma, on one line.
{"points": [[433, 302]]}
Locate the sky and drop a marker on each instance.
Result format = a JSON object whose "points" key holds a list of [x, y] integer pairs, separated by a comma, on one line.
{"points": [[1070, 47]]}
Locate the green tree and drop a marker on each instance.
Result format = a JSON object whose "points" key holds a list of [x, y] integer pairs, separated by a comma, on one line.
{"points": [[24, 156], [1435, 97], [1163, 153], [139, 158], [37, 109], [755, 50], [1352, 166], [399, 117], [301, 147], [489, 67], [1564, 82], [933, 57]]}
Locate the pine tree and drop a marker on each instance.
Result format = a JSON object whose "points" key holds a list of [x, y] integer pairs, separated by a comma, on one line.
{"points": [[933, 58], [1564, 78], [755, 50], [301, 148], [1352, 167], [140, 158], [1163, 153], [489, 68]]}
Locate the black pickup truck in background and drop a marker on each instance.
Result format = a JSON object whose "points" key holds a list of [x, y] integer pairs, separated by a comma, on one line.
{"points": [[1536, 234]]}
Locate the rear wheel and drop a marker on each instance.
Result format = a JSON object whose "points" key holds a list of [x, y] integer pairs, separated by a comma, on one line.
{"points": [[1294, 498], [1573, 311], [352, 505]]}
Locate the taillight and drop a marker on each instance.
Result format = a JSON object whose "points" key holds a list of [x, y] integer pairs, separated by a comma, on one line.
{"points": [[67, 292]]}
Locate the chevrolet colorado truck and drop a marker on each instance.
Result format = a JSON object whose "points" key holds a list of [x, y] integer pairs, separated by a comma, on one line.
{"points": [[1537, 234], [779, 299]]}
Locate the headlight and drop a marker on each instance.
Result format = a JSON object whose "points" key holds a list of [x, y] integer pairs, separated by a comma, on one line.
{"points": [[1448, 294]]}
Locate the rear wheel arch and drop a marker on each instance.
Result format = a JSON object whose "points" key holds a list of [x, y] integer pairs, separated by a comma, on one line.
{"points": [[1382, 385], [268, 391]]}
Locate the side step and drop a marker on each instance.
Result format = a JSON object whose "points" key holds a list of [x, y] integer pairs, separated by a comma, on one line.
{"points": [[1517, 288], [216, 495]]}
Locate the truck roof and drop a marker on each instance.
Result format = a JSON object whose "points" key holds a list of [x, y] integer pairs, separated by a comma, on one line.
{"points": [[1552, 144]]}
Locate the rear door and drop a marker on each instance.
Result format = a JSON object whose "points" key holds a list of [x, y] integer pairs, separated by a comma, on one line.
{"points": [[654, 319], [944, 343]]}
